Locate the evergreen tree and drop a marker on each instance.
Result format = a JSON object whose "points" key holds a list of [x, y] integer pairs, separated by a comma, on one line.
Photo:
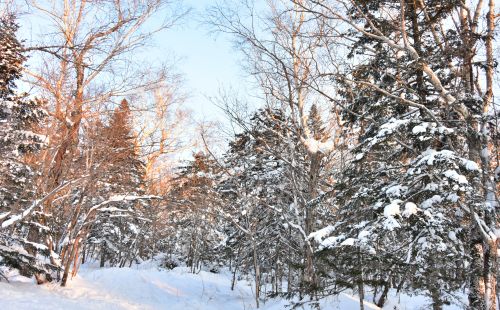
{"points": [[19, 117], [273, 199], [195, 230], [413, 201], [119, 228], [254, 195]]}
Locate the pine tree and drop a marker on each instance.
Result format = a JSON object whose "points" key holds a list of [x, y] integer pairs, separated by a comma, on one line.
{"points": [[273, 196], [19, 118], [195, 231], [413, 201], [120, 227], [254, 195]]}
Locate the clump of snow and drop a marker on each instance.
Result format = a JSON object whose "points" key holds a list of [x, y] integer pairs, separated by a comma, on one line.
{"points": [[455, 176], [392, 209], [390, 223], [396, 191], [430, 156], [15, 218], [315, 146], [470, 165], [4, 215], [432, 128], [431, 187], [452, 236], [363, 235], [431, 201], [387, 129], [410, 209], [331, 242], [348, 242], [319, 235], [420, 128], [361, 224], [391, 126], [452, 197]]}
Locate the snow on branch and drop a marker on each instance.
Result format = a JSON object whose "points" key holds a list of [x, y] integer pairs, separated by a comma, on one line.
{"points": [[18, 217], [315, 146], [118, 198]]}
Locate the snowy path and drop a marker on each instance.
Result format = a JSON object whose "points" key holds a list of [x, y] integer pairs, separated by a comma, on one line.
{"points": [[124, 288], [115, 288], [128, 288]]}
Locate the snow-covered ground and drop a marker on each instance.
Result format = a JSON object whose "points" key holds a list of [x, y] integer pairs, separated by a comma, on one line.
{"points": [[147, 287]]}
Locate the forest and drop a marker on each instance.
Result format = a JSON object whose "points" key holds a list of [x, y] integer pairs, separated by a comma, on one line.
{"points": [[364, 159]]}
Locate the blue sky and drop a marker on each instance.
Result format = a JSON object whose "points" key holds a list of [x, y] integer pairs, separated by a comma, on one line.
{"points": [[207, 61]]}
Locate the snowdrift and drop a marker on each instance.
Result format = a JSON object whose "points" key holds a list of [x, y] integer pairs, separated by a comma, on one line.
{"points": [[147, 287]]}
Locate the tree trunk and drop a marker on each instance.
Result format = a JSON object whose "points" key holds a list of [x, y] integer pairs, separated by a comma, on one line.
{"points": [[490, 247], [257, 273], [72, 252], [476, 287], [84, 254], [361, 286], [103, 257], [490, 265], [381, 301]]}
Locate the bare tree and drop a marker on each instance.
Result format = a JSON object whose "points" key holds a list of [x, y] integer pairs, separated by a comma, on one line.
{"points": [[82, 64], [86, 60]]}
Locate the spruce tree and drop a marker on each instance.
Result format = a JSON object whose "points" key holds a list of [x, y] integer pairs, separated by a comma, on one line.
{"points": [[195, 231], [120, 227], [19, 117], [412, 203]]}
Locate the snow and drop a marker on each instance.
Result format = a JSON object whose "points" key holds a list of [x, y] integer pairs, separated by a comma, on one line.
{"points": [[20, 216], [396, 191], [31, 135], [431, 156], [314, 146], [410, 208], [432, 187], [426, 204], [319, 235], [148, 287], [331, 242], [452, 197], [470, 165], [4, 215], [455, 176], [360, 156], [124, 288], [391, 126], [115, 198], [419, 128], [391, 223], [349, 242], [452, 236], [392, 209], [387, 129], [363, 235], [432, 127]]}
